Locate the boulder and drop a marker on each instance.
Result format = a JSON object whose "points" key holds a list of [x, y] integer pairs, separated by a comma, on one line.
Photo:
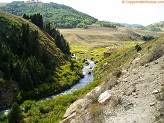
{"points": [[78, 106], [94, 94], [105, 97]]}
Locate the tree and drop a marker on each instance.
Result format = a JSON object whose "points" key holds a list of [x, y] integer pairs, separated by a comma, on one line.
{"points": [[7, 73], [26, 16], [147, 37], [138, 47], [17, 71], [15, 114], [26, 82]]}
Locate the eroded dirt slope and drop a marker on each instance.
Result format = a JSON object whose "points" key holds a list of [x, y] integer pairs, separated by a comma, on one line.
{"points": [[138, 90]]}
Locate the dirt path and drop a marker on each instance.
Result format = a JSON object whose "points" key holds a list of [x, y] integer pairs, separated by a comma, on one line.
{"points": [[135, 89]]}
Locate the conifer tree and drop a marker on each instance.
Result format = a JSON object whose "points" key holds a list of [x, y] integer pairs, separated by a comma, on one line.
{"points": [[7, 73], [17, 71]]}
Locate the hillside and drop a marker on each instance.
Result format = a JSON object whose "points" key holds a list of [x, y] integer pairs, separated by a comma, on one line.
{"points": [[136, 26], [58, 15], [31, 65], [131, 88], [97, 36], [156, 27], [159, 26]]}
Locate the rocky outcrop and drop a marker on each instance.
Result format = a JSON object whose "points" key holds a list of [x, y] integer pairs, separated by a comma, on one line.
{"points": [[79, 107]]}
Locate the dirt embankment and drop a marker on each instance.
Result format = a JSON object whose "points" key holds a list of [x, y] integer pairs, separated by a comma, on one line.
{"points": [[139, 91]]}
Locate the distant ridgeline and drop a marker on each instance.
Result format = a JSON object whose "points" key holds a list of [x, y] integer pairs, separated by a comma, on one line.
{"points": [[58, 15]]}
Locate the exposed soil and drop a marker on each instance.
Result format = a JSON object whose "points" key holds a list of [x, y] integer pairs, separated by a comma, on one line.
{"points": [[138, 104]]}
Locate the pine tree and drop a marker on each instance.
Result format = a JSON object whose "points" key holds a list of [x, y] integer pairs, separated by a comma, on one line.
{"points": [[17, 71], [26, 82], [7, 72]]}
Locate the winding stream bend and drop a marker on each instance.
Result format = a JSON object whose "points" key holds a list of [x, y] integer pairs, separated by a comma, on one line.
{"points": [[88, 78]]}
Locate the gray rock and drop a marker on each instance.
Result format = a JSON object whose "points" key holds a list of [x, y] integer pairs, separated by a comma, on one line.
{"points": [[105, 97], [94, 94], [78, 106], [155, 91]]}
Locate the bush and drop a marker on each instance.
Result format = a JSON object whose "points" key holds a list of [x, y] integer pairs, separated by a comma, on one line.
{"points": [[138, 47], [81, 25], [147, 37], [117, 73], [3, 119]]}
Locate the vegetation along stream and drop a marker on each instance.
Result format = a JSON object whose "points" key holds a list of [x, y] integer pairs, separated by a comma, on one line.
{"points": [[88, 78]]}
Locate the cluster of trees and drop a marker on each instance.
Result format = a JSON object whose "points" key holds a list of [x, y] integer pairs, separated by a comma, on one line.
{"points": [[58, 38], [59, 15], [153, 28], [107, 24], [37, 19], [147, 37], [22, 58]]}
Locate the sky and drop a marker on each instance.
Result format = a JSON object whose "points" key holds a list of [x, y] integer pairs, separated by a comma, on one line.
{"points": [[116, 10]]}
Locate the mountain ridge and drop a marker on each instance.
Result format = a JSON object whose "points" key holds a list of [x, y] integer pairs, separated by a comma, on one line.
{"points": [[59, 15]]}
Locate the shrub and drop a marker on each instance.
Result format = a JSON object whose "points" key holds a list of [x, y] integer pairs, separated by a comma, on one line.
{"points": [[147, 37], [138, 47], [117, 73], [3, 118]]}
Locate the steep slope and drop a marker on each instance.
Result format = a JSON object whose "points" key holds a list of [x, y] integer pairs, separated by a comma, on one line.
{"points": [[134, 96], [58, 15], [31, 65]]}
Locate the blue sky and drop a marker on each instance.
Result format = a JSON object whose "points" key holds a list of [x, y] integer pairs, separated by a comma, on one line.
{"points": [[115, 10]]}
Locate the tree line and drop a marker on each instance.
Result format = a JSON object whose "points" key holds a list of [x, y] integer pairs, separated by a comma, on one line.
{"points": [[59, 40]]}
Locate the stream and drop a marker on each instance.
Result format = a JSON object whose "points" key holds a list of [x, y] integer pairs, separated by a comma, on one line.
{"points": [[88, 78]]}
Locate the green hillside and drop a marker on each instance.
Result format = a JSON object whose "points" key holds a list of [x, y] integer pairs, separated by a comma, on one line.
{"points": [[59, 15], [153, 27], [159, 26], [31, 65]]}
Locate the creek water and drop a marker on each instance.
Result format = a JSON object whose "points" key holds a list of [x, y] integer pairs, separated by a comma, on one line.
{"points": [[88, 78]]}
